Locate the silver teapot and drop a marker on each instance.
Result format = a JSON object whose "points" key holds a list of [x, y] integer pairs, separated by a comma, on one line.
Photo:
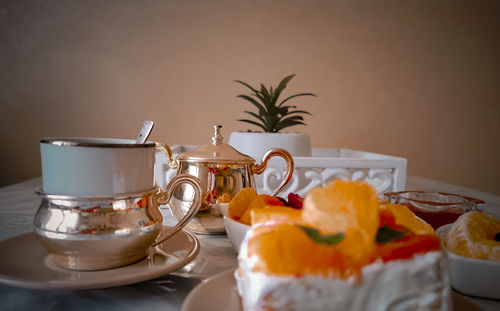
{"points": [[223, 172]]}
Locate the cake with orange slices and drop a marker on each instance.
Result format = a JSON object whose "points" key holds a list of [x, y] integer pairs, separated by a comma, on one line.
{"points": [[342, 251]]}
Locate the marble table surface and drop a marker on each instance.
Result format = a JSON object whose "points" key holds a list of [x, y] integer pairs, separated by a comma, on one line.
{"points": [[18, 204]]}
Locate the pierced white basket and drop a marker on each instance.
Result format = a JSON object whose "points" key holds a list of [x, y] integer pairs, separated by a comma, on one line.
{"points": [[386, 173]]}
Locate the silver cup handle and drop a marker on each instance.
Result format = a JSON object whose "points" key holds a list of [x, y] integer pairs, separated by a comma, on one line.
{"points": [[164, 197]]}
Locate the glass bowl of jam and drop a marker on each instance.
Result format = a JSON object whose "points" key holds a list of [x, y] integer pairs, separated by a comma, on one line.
{"points": [[436, 208]]}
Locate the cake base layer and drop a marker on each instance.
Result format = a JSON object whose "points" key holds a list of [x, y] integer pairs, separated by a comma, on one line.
{"points": [[421, 283]]}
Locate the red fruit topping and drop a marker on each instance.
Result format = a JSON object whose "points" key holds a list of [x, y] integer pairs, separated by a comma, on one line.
{"points": [[283, 201], [295, 201], [387, 219], [407, 247], [270, 200], [90, 231], [94, 209]]}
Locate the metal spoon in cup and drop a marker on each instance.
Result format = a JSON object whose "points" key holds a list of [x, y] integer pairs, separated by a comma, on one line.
{"points": [[147, 127]]}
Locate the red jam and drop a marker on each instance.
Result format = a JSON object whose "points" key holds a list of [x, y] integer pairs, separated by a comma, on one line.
{"points": [[437, 219]]}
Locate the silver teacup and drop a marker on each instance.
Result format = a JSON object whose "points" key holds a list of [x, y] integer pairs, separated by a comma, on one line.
{"points": [[95, 233]]}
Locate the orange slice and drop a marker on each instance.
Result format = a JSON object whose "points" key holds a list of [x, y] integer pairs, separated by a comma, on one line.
{"points": [[258, 202], [404, 217], [240, 203], [287, 250], [473, 235], [349, 207], [276, 215], [224, 198]]}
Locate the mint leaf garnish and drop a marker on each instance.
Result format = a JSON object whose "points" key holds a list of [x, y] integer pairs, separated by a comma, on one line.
{"points": [[386, 234], [323, 239]]}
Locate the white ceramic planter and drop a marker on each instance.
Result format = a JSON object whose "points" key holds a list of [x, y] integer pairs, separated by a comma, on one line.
{"points": [[257, 144]]}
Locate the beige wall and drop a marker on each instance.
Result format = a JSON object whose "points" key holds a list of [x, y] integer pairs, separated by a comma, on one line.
{"points": [[417, 79]]}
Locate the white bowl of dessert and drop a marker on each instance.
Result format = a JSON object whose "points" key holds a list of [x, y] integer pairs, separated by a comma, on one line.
{"points": [[239, 212], [472, 276], [235, 230]]}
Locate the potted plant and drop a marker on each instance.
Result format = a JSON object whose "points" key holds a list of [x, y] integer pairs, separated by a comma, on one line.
{"points": [[273, 115]]}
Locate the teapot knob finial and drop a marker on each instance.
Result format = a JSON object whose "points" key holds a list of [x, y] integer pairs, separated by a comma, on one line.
{"points": [[217, 138]]}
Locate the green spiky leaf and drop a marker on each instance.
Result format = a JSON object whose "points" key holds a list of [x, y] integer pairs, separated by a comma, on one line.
{"points": [[291, 121], [283, 125], [293, 96], [273, 117], [254, 123], [282, 86], [255, 115], [247, 85], [253, 102], [299, 111], [283, 111]]}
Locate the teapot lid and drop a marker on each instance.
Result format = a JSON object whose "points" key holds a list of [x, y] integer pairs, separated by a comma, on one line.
{"points": [[216, 152]]}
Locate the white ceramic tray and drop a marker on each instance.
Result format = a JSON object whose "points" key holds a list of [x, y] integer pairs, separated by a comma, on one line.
{"points": [[384, 172]]}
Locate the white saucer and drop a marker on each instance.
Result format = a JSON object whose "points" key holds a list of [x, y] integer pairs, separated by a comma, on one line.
{"points": [[25, 263], [219, 293], [215, 293]]}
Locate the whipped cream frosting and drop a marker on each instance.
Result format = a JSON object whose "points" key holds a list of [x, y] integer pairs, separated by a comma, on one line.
{"points": [[420, 283]]}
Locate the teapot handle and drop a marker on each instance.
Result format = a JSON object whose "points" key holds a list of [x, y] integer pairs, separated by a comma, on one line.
{"points": [[259, 168]]}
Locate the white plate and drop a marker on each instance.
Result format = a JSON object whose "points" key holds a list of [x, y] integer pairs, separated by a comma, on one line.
{"points": [[218, 293], [215, 293], [25, 263], [471, 276]]}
